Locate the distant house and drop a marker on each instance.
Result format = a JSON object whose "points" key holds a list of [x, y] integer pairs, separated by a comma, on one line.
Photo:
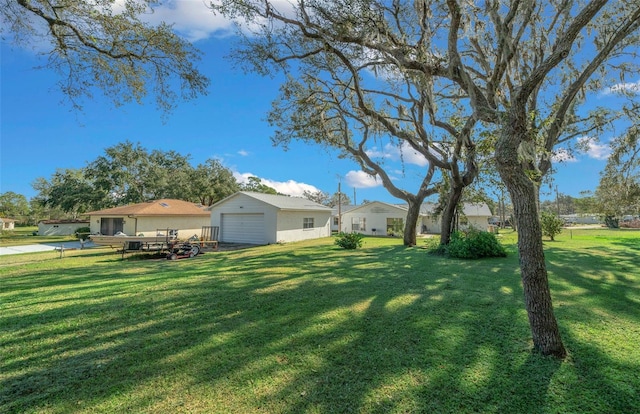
{"points": [[7, 223], [257, 218], [336, 213], [473, 215], [583, 218], [378, 218], [375, 218], [151, 217], [60, 227]]}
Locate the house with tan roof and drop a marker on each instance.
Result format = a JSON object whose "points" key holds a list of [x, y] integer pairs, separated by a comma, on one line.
{"points": [[150, 218]]}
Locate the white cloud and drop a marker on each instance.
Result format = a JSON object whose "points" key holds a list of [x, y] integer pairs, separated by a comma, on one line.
{"points": [[412, 156], [192, 18], [627, 87], [360, 179], [243, 153], [395, 153], [290, 187], [595, 150]]}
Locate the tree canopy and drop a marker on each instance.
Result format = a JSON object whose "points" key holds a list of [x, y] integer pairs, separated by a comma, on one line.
{"points": [[427, 75], [129, 173], [618, 192], [256, 185], [106, 45], [13, 205]]}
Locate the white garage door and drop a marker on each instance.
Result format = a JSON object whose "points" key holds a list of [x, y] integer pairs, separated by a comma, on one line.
{"points": [[242, 228]]}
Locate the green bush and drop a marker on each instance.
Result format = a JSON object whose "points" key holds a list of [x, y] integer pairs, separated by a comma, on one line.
{"points": [[551, 225], [82, 233], [349, 240], [612, 222], [474, 244]]}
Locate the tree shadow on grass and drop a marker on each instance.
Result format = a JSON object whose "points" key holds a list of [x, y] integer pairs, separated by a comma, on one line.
{"points": [[607, 276], [278, 330]]}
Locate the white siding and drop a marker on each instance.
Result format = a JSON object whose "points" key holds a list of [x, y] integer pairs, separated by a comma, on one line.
{"points": [[243, 204], [290, 225], [59, 229]]}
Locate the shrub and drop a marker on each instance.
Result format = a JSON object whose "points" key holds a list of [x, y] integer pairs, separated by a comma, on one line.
{"points": [[551, 225], [474, 244], [82, 233], [611, 222], [349, 240]]}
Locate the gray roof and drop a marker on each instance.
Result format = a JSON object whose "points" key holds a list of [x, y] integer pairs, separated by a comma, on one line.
{"points": [[397, 206], [286, 202], [343, 209], [476, 209], [468, 209]]}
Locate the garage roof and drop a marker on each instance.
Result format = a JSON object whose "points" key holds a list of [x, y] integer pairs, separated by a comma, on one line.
{"points": [[283, 202]]}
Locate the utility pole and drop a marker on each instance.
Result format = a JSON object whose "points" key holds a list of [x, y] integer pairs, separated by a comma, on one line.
{"points": [[339, 208]]}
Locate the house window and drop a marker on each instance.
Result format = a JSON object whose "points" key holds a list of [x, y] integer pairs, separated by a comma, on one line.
{"points": [[395, 225], [307, 223], [358, 224], [336, 221]]}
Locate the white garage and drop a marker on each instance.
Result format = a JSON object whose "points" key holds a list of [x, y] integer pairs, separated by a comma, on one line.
{"points": [[257, 218]]}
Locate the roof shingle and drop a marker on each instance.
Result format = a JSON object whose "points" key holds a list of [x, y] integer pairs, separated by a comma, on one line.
{"points": [[163, 207]]}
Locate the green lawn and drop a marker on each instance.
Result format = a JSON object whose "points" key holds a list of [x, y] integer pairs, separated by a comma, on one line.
{"points": [[25, 235], [311, 328]]}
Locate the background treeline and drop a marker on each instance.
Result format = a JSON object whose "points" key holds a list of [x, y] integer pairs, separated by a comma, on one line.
{"points": [[128, 173]]}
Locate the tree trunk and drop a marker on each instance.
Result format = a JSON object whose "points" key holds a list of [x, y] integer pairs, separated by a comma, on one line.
{"points": [[537, 296], [447, 227], [544, 328], [413, 213]]}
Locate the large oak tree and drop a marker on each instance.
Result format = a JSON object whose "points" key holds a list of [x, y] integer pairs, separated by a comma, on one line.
{"points": [[433, 66]]}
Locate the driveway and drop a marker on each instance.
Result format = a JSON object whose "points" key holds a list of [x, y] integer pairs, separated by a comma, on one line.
{"points": [[43, 247]]}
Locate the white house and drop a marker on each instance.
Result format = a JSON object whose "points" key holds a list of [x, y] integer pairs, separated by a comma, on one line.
{"points": [[7, 223], [149, 218], [60, 227], [473, 215], [378, 218], [257, 218], [375, 218], [337, 213]]}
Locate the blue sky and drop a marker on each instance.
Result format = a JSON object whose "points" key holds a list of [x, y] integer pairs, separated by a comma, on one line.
{"points": [[39, 133]]}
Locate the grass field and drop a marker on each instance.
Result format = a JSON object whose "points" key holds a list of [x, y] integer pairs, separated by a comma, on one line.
{"points": [[311, 328], [24, 235]]}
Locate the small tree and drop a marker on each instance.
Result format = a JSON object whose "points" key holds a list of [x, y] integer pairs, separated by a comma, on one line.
{"points": [[349, 241], [551, 225]]}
